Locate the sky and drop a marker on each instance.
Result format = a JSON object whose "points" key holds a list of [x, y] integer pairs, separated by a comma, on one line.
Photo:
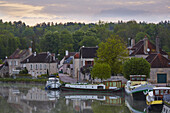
{"points": [[89, 11]]}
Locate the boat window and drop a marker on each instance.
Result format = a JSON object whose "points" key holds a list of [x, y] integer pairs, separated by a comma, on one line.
{"points": [[114, 84], [162, 92], [166, 92], [110, 83], [99, 87], [107, 84], [100, 97], [142, 78], [133, 78], [156, 92]]}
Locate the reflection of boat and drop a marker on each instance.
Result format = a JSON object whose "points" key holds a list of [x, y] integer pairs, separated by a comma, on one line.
{"points": [[155, 98], [53, 82], [165, 109], [138, 87], [135, 106], [106, 86], [166, 106], [53, 94], [106, 98]]}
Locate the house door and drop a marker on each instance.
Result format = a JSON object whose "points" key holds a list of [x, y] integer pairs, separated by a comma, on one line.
{"points": [[161, 78]]}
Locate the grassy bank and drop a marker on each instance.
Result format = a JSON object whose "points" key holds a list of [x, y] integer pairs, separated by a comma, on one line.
{"points": [[23, 80]]}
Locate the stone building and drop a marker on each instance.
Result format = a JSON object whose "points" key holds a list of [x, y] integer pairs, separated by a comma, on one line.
{"points": [[4, 70], [15, 59], [160, 64], [41, 63]]}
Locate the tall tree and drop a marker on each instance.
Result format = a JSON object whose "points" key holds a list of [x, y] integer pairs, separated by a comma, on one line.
{"points": [[112, 52], [101, 71]]}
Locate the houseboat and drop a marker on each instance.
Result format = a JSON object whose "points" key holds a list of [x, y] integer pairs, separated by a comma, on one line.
{"points": [[106, 86], [138, 87], [154, 99], [53, 82]]}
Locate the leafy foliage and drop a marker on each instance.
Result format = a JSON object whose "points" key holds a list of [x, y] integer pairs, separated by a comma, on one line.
{"points": [[58, 37], [112, 52], [101, 70], [136, 66], [25, 71]]}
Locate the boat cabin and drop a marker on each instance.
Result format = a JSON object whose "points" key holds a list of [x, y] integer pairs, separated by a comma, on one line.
{"points": [[113, 84], [161, 91], [138, 77]]}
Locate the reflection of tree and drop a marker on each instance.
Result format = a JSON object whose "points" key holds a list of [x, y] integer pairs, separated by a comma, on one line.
{"points": [[98, 107]]}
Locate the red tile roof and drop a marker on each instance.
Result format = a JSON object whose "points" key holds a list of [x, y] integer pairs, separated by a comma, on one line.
{"points": [[139, 48], [158, 61], [77, 55]]}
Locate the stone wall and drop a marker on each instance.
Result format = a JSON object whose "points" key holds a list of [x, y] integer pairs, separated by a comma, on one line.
{"points": [[155, 71]]}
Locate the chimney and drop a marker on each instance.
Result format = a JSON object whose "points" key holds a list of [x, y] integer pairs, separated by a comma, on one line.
{"points": [[157, 44], [30, 51], [35, 54], [53, 55], [132, 42], [66, 52], [145, 45]]}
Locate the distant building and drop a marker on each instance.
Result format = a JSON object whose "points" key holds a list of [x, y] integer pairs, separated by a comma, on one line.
{"points": [[41, 63], [86, 60], [66, 64], [158, 59], [4, 69], [76, 65], [15, 59]]}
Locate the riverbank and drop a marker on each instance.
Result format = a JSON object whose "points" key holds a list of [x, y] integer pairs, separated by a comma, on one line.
{"points": [[23, 80]]}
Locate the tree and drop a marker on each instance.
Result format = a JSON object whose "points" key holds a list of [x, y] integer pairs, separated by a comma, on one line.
{"points": [[1, 61], [136, 66], [141, 35], [89, 41], [112, 52], [101, 70]]}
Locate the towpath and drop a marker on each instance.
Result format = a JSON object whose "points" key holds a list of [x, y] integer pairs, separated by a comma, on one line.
{"points": [[66, 78]]}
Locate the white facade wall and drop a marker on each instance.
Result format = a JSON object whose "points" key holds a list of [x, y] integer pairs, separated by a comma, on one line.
{"points": [[13, 64], [36, 69], [75, 67]]}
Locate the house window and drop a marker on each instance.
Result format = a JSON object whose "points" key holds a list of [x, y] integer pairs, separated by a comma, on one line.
{"points": [[36, 66], [14, 63], [11, 63], [31, 66], [40, 66], [45, 66]]}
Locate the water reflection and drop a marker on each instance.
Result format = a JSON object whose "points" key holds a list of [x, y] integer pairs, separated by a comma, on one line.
{"points": [[34, 99]]}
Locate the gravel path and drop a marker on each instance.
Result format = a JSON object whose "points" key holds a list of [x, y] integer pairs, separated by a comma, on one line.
{"points": [[66, 78]]}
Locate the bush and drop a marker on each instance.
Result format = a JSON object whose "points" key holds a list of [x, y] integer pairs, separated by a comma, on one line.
{"points": [[25, 71], [136, 66], [23, 75]]}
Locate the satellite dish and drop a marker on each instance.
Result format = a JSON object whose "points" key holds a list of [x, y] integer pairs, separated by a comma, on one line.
{"points": [[148, 50]]}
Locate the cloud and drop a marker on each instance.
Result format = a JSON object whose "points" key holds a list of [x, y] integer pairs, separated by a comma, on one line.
{"points": [[16, 9], [122, 12]]}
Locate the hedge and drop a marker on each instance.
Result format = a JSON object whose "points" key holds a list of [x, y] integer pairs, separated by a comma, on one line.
{"points": [[22, 80]]}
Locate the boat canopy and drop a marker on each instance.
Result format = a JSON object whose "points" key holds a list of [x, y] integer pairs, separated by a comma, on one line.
{"points": [[147, 87]]}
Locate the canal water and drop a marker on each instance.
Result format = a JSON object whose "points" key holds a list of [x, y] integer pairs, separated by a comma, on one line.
{"points": [[24, 98]]}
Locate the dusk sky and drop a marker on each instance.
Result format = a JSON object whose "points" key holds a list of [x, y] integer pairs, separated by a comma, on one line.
{"points": [[88, 11]]}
